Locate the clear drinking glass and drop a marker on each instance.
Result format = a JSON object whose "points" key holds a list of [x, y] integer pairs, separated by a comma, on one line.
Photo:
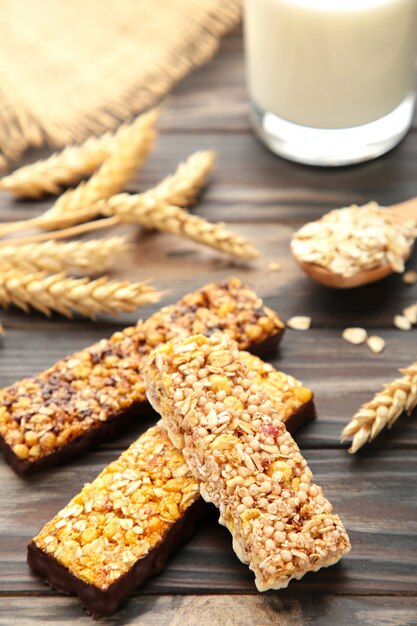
{"points": [[331, 82]]}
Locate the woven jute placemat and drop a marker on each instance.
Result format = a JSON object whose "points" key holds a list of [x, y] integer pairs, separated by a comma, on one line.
{"points": [[72, 68]]}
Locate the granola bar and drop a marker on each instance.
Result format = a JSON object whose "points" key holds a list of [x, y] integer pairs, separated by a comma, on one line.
{"points": [[247, 463], [121, 528], [93, 394]]}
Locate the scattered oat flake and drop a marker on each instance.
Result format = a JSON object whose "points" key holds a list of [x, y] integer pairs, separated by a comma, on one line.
{"points": [[299, 322], [410, 312], [410, 277], [401, 322], [375, 343], [274, 266], [355, 335]]}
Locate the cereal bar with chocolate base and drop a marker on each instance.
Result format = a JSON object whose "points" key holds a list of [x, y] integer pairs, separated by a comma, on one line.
{"points": [[122, 527], [247, 463], [93, 394]]}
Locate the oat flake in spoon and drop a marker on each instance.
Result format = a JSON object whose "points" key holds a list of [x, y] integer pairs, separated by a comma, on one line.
{"points": [[349, 240]]}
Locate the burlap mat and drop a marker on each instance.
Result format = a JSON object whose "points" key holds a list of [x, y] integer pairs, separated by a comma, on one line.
{"points": [[69, 68]]}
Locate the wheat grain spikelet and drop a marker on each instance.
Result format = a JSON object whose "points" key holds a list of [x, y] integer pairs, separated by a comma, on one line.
{"points": [[62, 169], [92, 255], [184, 186], [130, 150], [383, 410], [58, 292], [173, 219]]}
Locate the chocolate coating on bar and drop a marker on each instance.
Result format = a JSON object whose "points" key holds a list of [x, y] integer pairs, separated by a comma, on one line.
{"points": [[99, 602], [105, 431], [91, 395], [124, 517]]}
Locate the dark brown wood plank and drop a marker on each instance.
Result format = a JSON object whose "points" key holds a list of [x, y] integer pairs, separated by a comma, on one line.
{"points": [[214, 97], [372, 493], [280, 609]]}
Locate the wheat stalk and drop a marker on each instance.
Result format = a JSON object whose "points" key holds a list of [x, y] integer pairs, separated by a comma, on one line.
{"points": [[65, 168], [173, 219], [92, 255], [58, 292], [385, 407], [63, 233]]}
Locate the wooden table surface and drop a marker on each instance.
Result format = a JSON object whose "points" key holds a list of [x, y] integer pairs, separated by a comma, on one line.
{"points": [[265, 198]]}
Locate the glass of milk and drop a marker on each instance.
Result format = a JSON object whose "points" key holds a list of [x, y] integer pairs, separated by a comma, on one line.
{"points": [[331, 81]]}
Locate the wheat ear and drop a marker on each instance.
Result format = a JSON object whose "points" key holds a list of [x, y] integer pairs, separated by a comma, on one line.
{"points": [[65, 168], [385, 407], [130, 150], [58, 292], [184, 186], [173, 219], [77, 205], [92, 255], [181, 188]]}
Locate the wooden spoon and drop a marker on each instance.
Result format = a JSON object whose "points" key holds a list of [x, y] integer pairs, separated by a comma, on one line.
{"points": [[405, 211]]}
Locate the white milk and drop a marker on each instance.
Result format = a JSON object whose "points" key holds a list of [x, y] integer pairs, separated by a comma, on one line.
{"points": [[330, 63]]}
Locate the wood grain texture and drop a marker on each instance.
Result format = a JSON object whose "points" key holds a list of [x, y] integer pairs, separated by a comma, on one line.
{"points": [[264, 198], [208, 610]]}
